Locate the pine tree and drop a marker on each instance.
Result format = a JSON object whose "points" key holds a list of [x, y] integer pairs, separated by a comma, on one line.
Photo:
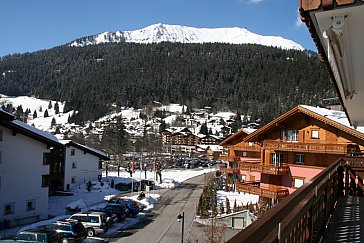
{"points": [[53, 122], [35, 114], [204, 129], [235, 208], [50, 105], [56, 108], [46, 114], [228, 209], [162, 126]]}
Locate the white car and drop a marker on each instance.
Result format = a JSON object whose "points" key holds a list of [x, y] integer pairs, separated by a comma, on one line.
{"points": [[168, 183]]}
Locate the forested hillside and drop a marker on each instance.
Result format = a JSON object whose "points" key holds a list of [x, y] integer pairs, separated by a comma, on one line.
{"points": [[250, 79]]}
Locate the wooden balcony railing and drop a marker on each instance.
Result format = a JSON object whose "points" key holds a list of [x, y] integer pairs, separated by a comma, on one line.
{"points": [[304, 215], [306, 147], [246, 148], [267, 169], [229, 170], [275, 193]]}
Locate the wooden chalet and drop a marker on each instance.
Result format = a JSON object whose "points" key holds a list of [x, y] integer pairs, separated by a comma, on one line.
{"points": [[238, 153], [292, 149]]}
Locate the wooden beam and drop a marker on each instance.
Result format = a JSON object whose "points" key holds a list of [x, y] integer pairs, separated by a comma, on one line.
{"points": [[343, 2], [327, 4], [307, 5]]}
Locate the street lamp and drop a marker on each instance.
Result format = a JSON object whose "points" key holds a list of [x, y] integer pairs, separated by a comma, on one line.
{"points": [[179, 218]]}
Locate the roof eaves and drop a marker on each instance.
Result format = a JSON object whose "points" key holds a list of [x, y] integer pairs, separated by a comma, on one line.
{"points": [[271, 124]]}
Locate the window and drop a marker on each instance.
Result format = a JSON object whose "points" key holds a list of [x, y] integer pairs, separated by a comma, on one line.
{"points": [[94, 219], [30, 205], [100, 164], [298, 182], [1, 134], [73, 180], [45, 180], [245, 154], [9, 208], [73, 152], [46, 158], [74, 165], [292, 135], [300, 159], [315, 134], [283, 134], [276, 159], [1, 157]]}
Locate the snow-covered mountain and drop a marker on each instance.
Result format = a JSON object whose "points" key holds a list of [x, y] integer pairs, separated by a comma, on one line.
{"points": [[175, 33]]}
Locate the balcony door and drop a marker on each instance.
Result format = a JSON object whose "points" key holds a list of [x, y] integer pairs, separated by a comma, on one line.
{"points": [[292, 136], [276, 159]]}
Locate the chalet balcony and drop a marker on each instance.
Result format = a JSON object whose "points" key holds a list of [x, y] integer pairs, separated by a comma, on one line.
{"points": [[229, 170], [327, 209], [266, 169], [274, 192], [246, 148], [306, 147]]}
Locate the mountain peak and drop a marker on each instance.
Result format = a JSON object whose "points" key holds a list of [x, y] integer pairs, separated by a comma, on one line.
{"points": [[160, 32]]}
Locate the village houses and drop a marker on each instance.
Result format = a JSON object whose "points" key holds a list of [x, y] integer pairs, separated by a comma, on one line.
{"points": [[35, 164]]}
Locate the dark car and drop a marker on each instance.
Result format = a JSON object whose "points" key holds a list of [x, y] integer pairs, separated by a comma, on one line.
{"points": [[69, 230], [38, 235], [130, 204], [119, 210]]}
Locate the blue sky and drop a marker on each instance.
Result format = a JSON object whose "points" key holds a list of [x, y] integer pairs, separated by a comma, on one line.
{"points": [[31, 25]]}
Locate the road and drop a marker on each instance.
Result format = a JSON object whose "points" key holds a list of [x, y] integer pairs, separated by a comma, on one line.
{"points": [[161, 224]]}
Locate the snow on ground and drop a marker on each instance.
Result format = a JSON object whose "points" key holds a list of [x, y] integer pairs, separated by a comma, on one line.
{"points": [[38, 105], [242, 199]]}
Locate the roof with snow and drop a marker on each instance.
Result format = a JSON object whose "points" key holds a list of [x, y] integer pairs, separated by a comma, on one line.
{"points": [[236, 137], [214, 148], [98, 153], [8, 120]]}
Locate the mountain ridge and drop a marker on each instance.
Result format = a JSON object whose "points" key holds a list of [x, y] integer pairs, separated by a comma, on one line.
{"points": [[157, 33]]}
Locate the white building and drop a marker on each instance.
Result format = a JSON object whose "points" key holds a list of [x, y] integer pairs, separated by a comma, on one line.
{"points": [[24, 171], [82, 164]]}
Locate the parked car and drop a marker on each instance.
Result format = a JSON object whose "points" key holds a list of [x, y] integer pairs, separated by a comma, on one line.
{"points": [[69, 230], [130, 204], [94, 222], [119, 210], [38, 235]]}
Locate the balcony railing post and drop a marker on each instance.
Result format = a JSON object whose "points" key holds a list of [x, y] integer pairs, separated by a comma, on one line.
{"points": [[279, 233], [346, 178], [310, 225]]}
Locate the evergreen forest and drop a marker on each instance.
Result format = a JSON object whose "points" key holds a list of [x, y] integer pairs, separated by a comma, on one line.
{"points": [[259, 81]]}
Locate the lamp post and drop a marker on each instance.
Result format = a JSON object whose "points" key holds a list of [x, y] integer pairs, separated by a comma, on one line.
{"points": [[179, 218]]}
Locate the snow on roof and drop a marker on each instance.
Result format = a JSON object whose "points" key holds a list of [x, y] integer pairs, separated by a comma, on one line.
{"points": [[249, 130], [225, 115], [337, 116], [36, 131], [214, 148], [96, 151], [170, 119], [176, 108]]}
